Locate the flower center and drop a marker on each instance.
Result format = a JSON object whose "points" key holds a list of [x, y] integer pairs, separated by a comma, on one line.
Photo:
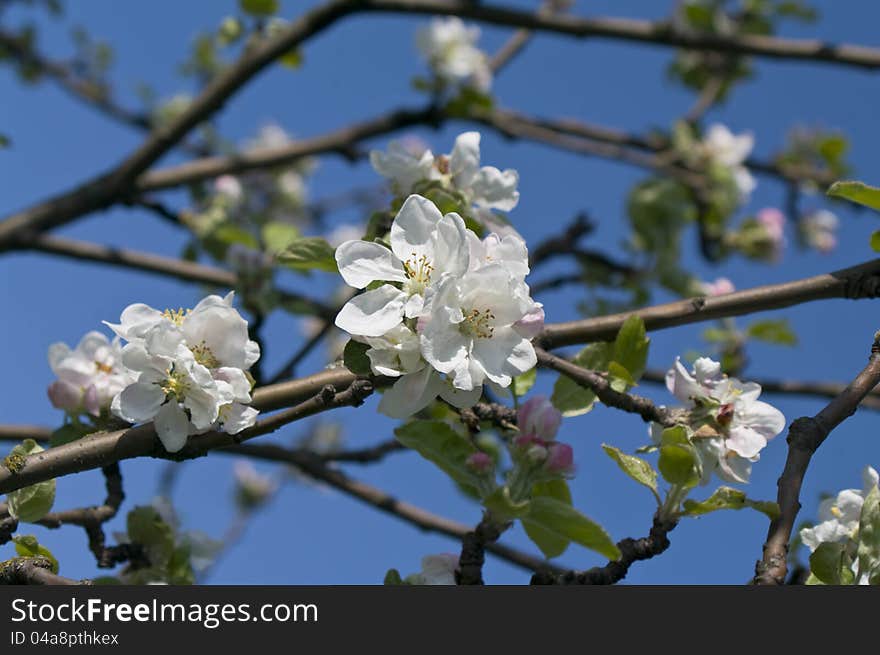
{"points": [[175, 384], [103, 368], [478, 324], [204, 355], [176, 316], [725, 415], [419, 271]]}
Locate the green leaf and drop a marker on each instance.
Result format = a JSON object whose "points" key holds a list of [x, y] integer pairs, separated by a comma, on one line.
{"points": [[679, 462], [393, 578], [67, 433], [27, 546], [831, 564], [259, 7], [146, 527], [503, 507], [779, 332], [621, 380], [635, 467], [292, 59], [523, 383], [857, 192], [869, 532], [32, 503], [355, 358], [875, 241], [4, 141], [278, 235], [437, 442], [568, 396], [309, 253], [631, 346], [559, 518], [729, 498], [551, 543]]}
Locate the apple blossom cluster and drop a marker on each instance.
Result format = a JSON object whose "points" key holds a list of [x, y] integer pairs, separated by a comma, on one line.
{"points": [[450, 48], [409, 167], [443, 311], [839, 518], [89, 376], [730, 425], [818, 229], [189, 367], [721, 147]]}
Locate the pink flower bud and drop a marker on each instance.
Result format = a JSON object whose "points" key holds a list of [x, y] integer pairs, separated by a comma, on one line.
{"points": [[537, 454], [480, 462], [64, 395], [537, 417], [91, 401], [719, 287], [228, 186], [532, 324], [560, 459], [773, 222]]}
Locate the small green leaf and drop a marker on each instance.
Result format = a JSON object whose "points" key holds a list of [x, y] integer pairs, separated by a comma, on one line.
{"points": [[147, 528], [679, 462], [393, 578], [259, 7], [551, 543], [278, 235], [631, 346], [27, 546], [621, 380], [729, 498], [555, 516], [32, 503], [869, 532], [778, 332], [875, 240], [857, 192], [523, 383], [292, 59], [635, 467], [309, 253], [503, 507], [437, 442], [355, 358], [831, 564], [569, 397]]}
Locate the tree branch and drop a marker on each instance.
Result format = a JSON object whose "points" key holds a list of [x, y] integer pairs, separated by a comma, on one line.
{"points": [[32, 571], [805, 435]]}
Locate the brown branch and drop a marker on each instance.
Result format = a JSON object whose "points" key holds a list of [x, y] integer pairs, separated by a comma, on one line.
{"points": [[32, 571], [862, 281], [600, 386], [631, 551], [150, 263], [805, 435], [641, 31], [473, 550], [108, 188], [311, 465]]}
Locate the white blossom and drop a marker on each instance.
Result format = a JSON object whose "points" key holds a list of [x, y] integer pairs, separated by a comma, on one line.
{"points": [[191, 369], [730, 150], [425, 246], [450, 48], [819, 229], [403, 166], [89, 376], [839, 515], [436, 570], [731, 425]]}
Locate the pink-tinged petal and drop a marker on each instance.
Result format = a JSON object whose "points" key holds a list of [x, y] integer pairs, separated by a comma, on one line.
{"points": [[560, 459], [64, 395], [532, 324], [91, 401]]}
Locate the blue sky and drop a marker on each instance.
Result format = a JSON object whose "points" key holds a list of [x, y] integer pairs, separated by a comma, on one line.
{"points": [[356, 70]]}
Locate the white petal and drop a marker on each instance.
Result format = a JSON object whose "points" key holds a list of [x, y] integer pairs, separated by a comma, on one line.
{"points": [[237, 417], [172, 426], [464, 162], [362, 262], [745, 441], [444, 346], [493, 189], [451, 252], [203, 407], [761, 417], [140, 402], [373, 313], [410, 394], [413, 227]]}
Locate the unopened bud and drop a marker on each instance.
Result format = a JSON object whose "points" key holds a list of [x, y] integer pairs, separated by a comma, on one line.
{"points": [[537, 417], [560, 460], [480, 462], [64, 395]]}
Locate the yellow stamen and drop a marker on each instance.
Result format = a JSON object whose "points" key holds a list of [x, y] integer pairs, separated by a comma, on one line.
{"points": [[176, 316], [478, 324]]}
